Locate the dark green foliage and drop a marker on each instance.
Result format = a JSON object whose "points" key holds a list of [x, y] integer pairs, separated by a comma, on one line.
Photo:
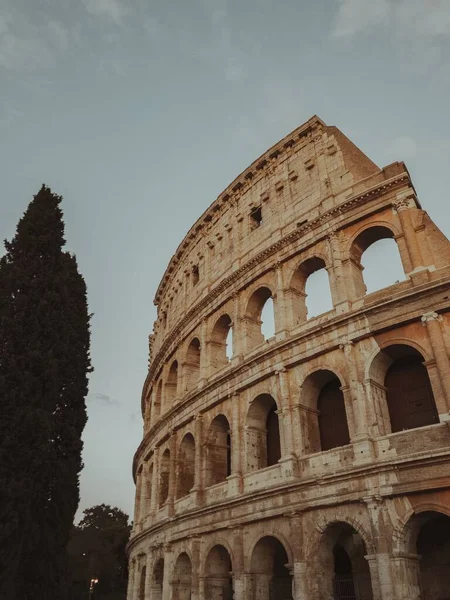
{"points": [[44, 362], [97, 550]]}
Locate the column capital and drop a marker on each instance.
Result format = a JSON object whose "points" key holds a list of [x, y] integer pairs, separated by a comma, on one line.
{"points": [[404, 200], [430, 316], [346, 346]]}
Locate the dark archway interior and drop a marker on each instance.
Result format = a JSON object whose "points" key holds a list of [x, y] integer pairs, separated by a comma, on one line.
{"points": [[333, 426], [273, 437], [409, 395], [433, 547]]}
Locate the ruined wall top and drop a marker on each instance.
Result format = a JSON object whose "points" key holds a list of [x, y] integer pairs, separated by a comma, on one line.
{"points": [[314, 161]]}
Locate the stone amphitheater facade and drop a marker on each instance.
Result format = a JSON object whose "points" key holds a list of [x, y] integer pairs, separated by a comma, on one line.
{"points": [[313, 465]]}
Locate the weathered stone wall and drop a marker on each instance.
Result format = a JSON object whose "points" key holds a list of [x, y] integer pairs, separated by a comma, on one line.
{"points": [[317, 459]]}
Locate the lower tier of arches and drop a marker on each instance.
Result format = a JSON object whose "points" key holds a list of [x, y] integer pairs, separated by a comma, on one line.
{"points": [[395, 549]]}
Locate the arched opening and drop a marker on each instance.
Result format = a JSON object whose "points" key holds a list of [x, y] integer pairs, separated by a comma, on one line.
{"points": [[263, 447], [192, 365], [157, 402], [182, 578], [256, 315], [157, 580], [221, 343], [171, 386], [401, 389], [186, 466], [218, 451], [270, 575], [428, 540], [164, 474], [311, 287], [218, 579], [375, 252], [142, 583], [324, 419], [339, 568]]}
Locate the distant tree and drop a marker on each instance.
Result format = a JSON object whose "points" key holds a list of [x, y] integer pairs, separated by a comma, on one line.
{"points": [[44, 362], [97, 550]]}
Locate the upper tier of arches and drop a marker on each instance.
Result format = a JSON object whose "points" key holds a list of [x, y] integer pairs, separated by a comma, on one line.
{"points": [[280, 301]]}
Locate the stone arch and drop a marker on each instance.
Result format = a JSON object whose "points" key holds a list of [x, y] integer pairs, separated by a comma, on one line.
{"points": [[221, 341], [300, 282], [171, 388], [337, 561], [182, 578], [192, 364], [186, 466], [270, 569], [324, 420], [263, 446], [164, 475], [253, 316], [218, 451], [363, 239], [400, 388], [424, 557], [218, 583]]}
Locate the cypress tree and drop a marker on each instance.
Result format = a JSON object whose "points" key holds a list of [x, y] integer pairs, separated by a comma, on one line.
{"points": [[44, 366]]}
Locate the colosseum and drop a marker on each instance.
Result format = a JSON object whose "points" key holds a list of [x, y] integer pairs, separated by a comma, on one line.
{"points": [[312, 463]]}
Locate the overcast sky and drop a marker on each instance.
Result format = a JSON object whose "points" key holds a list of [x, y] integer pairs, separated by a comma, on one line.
{"points": [[140, 112]]}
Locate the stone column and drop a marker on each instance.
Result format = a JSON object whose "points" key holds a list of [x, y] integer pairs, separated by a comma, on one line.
{"points": [[166, 591], [235, 479], [338, 284], [299, 567], [247, 580], [431, 321], [204, 358], [280, 308], [131, 576], [403, 206], [300, 582], [137, 502], [380, 563], [172, 472], [195, 583], [144, 501], [238, 564], [238, 330], [148, 576], [363, 446], [137, 577], [406, 576], [199, 485], [154, 497], [288, 459]]}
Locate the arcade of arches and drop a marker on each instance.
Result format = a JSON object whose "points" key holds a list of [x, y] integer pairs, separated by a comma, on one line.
{"points": [[342, 564]]}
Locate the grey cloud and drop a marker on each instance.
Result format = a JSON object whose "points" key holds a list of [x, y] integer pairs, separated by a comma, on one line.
{"points": [[103, 399], [114, 10], [409, 18]]}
